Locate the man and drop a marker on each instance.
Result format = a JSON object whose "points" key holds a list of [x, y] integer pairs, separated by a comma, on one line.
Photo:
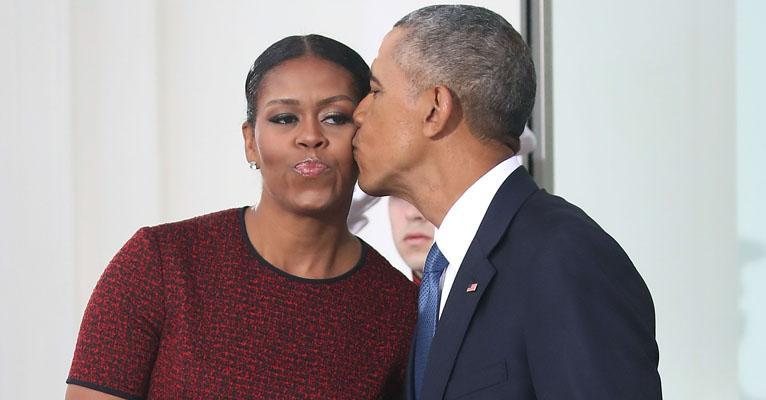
{"points": [[412, 234], [536, 301]]}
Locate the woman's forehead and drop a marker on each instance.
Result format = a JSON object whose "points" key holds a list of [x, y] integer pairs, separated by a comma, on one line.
{"points": [[304, 79]]}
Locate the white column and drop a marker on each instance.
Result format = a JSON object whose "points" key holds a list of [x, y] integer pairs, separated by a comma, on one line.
{"points": [[644, 120], [751, 195], [37, 266]]}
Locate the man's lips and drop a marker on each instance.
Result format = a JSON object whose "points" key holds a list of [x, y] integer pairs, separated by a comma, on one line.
{"points": [[310, 167]]}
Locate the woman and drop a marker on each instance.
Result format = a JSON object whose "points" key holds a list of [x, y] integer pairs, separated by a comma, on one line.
{"points": [[276, 301]]}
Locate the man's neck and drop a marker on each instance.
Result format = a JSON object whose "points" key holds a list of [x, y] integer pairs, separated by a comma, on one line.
{"points": [[449, 174]]}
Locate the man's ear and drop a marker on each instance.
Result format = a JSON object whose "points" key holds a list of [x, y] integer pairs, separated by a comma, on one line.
{"points": [[251, 146], [441, 110]]}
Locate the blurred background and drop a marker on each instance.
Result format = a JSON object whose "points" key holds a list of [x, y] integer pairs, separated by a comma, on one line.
{"points": [[116, 115]]}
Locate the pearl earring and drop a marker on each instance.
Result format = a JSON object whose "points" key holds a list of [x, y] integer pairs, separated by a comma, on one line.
{"points": [[254, 165]]}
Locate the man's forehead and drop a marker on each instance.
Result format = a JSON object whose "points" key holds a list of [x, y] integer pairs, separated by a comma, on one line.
{"points": [[389, 42], [385, 52]]}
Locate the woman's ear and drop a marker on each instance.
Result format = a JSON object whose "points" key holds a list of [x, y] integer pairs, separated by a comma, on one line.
{"points": [[251, 146], [441, 110]]}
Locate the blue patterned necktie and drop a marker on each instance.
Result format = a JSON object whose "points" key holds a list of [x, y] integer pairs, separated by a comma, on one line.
{"points": [[428, 312]]}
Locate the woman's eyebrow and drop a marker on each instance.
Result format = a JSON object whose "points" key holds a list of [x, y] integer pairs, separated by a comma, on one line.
{"points": [[333, 99], [291, 102], [321, 103]]}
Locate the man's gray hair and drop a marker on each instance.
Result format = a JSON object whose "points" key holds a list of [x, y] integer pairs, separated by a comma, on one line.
{"points": [[478, 55]]}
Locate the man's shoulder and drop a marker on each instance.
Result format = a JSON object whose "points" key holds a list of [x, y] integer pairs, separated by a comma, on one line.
{"points": [[546, 212], [549, 224], [549, 230]]}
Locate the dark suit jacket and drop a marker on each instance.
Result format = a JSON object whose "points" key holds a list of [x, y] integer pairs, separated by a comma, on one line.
{"points": [[559, 311]]}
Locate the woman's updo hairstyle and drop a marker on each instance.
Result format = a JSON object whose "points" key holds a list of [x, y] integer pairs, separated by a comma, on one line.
{"points": [[310, 45]]}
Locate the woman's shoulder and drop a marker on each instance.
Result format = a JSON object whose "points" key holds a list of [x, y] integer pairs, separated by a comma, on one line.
{"points": [[201, 235], [215, 219], [387, 293], [210, 225]]}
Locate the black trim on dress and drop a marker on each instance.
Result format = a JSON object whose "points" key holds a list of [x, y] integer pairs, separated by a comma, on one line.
{"points": [[254, 252], [103, 389]]}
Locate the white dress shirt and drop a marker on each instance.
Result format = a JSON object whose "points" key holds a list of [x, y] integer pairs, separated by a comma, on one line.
{"points": [[462, 221]]}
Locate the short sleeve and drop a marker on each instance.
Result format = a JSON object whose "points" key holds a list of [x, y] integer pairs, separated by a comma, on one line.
{"points": [[120, 331]]}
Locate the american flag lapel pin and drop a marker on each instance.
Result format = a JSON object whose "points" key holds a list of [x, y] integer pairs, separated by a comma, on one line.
{"points": [[472, 287]]}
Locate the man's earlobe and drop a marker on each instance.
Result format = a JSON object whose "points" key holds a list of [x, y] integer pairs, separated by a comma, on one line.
{"points": [[441, 104]]}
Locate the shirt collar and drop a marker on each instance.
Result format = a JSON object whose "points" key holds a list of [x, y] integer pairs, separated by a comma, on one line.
{"points": [[462, 220]]}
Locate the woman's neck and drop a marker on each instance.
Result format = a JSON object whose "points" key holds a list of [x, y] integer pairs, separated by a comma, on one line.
{"points": [[308, 246]]}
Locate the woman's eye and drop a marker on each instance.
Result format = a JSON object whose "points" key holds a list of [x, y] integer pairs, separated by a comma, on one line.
{"points": [[284, 119], [336, 119]]}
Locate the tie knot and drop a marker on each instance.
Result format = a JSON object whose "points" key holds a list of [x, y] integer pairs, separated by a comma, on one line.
{"points": [[435, 261]]}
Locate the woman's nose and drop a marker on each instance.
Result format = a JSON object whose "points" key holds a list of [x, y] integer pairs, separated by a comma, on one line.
{"points": [[311, 136]]}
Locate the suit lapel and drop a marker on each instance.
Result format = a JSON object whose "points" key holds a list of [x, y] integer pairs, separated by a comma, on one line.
{"points": [[454, 322], [475, 268]]}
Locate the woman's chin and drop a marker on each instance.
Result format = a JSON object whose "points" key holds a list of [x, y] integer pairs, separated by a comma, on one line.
{"points": [[320, 205]]}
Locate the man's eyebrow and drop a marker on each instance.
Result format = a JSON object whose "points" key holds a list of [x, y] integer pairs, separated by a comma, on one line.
{"points": [[375, 80], [333, 99]]}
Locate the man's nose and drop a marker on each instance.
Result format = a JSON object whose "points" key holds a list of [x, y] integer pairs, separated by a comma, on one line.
{"points": [[361, 111]]}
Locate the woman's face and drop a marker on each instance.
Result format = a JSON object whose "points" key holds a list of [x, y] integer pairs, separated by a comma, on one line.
{"points": [[301, 137]]}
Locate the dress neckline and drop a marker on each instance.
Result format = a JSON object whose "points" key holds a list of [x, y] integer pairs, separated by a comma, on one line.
{"points": [[252, 251]]}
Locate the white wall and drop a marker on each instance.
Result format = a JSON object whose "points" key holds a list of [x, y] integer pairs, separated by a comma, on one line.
{"points": [[644, 141], [115, 129]]}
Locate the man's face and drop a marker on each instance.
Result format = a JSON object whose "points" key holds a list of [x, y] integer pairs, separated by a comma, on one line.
{"points": [[388, 143], [412, 233]]}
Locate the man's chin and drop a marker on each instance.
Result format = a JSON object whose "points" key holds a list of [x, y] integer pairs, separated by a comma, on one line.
{"points": [[370, 186]]}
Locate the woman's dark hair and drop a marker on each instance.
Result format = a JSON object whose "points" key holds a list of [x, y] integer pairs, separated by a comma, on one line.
{"points": [[310, 45]]}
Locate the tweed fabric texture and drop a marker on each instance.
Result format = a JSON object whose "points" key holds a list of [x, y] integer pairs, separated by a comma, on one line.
{"points": [[190, 310]]}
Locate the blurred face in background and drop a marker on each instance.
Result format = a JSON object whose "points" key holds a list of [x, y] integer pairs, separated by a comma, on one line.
{"points": [[412, 233]]}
